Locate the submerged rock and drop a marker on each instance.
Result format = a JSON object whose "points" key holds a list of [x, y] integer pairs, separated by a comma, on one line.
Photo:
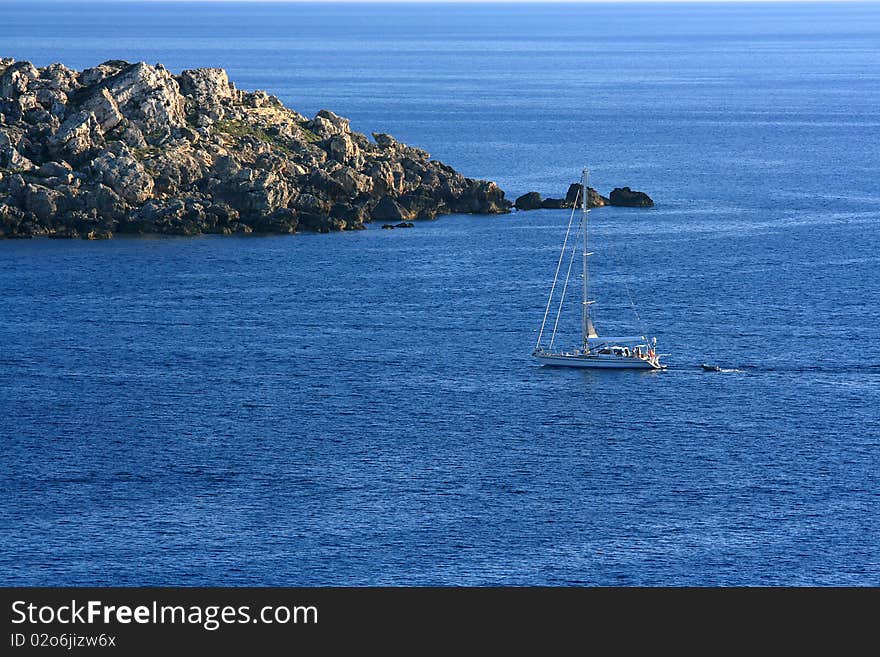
{"points": [[133, 148]]}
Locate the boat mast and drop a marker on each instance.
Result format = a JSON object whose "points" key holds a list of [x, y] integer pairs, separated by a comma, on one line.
{"points": [[585, 328]]}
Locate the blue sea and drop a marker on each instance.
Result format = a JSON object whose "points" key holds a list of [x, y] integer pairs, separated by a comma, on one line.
{"points": [[362, 408]]}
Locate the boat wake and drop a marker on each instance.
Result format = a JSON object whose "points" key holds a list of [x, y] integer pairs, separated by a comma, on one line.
{"points": [[716, 369], [790, 369], [721, 370]]}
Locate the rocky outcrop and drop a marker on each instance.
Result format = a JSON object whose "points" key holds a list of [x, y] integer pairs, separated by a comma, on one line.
{"points": [[594, 198], [555, 204], [133, 148], [533, 200], [626, 197], [390, 210], [528, 201]]}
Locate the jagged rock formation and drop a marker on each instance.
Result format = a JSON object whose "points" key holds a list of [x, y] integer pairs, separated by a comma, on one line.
{"points": [[133, 148], [533, 200], [594, 198], [626, 197]]}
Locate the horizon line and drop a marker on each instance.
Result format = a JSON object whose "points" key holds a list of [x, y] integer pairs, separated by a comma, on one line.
{"points": [[445, 2]]}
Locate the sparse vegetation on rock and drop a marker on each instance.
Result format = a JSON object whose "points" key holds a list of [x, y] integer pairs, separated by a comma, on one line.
{"points": [[133, 148]]}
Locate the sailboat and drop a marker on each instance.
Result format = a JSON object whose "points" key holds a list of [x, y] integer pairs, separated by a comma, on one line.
{"points": [[633, 352]]}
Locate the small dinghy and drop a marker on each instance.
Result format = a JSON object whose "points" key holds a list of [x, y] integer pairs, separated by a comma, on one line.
{"points": [[710, 368]]}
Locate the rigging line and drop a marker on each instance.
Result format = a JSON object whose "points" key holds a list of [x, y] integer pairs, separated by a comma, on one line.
{"points": [[564, 288], [587, 312], [556, 277], [586, 320], [618, 260]]}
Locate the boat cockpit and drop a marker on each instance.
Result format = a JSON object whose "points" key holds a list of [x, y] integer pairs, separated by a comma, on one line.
{"points": [[641, 351]]}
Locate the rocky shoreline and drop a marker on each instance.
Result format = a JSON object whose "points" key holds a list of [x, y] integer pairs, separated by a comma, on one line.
{"points": [[133, 148]]}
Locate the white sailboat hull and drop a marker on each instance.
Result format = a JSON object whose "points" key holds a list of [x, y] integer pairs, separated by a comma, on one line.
{"points": [[597, 361]]}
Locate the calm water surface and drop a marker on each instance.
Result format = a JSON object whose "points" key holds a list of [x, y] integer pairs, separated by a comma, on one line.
{"points": [[361, 408]]}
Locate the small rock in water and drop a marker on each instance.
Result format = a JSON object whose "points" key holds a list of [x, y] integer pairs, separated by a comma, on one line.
{"points": [[626, 197], [529, 201], [533, 200], [594, 198], [555, 204]]}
